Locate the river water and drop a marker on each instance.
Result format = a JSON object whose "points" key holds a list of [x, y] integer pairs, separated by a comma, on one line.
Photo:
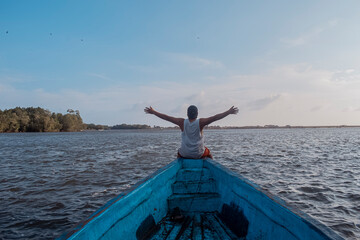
{"points": [[51, 181]]}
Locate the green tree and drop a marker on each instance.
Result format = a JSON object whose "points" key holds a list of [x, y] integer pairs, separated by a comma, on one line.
{"points": [[72, 121], [23, 118], [2, 121], [39, 120]]}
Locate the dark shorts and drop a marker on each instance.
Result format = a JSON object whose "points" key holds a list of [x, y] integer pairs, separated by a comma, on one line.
{"points": [[205, 154]]}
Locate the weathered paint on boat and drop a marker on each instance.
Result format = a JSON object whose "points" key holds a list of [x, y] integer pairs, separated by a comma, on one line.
{"points": [[199, 187]]}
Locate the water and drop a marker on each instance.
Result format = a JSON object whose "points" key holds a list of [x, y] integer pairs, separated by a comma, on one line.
{"points": [[51, 181]]}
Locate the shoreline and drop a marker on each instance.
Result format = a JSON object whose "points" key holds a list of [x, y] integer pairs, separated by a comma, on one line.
{"points": [[206, 128]]}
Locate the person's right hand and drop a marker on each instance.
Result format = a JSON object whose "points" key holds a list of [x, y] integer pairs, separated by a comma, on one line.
{"points": [[149, 110], [233, 110]]}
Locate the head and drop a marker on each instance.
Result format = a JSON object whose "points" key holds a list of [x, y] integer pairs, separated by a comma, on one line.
{"points": [[192, 112]]}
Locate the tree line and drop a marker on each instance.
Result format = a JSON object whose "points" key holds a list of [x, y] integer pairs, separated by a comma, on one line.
{"points": [[39, 120], [130, 126]]}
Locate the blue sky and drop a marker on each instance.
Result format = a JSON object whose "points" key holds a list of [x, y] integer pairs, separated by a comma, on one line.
{"points": [[280, 62]]}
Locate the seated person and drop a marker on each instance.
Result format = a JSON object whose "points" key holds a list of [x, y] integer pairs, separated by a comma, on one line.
{"points": [[192, 138]]}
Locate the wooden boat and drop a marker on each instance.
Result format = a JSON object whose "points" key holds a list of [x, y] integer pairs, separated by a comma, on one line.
{"points": [[198, 199]]}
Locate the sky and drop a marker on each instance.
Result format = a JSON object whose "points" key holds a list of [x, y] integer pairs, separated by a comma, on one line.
{"points": [[279, 62]]}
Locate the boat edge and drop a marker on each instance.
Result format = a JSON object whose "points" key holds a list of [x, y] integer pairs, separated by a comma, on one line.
{"points": [[82, 224], [310, 221]]}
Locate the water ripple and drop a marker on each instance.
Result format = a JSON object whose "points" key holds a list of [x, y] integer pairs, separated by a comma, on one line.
{"points": [[51, 181]]}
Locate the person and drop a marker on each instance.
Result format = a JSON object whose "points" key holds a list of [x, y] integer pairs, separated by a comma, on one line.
{"points": [[192, 138]]}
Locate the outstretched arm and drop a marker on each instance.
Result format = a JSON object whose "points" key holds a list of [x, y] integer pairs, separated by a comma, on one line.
{"points": [[206, 121], [174, 120]]}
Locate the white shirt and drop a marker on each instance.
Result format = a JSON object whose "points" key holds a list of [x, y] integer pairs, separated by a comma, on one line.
{"points": [[192, 140]]}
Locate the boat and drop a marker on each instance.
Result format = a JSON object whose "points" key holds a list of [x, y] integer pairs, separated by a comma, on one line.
{"points": [[198, 199]]}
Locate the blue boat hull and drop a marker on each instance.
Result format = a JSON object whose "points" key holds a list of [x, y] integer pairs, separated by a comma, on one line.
{"points": [[198, 189]]}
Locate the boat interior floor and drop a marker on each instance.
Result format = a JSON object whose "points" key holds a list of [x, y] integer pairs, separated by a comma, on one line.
{"points": [[196, 227]]}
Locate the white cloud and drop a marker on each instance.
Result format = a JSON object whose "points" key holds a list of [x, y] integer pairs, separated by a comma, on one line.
{"points": [[333, 22], [308, 36], [101, 77], [9, 77], [316, 108], [351, 109], [140, 68], [347, 75], [289, 94], [194, 61], [262, 102]]}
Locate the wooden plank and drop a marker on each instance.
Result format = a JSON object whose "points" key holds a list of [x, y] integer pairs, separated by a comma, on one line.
{"points": [[184, 226], [207, 186], [174, 232], [207, 202], [208, 230], [216, 227], [186, 235], [195, 174], [197, 231]]}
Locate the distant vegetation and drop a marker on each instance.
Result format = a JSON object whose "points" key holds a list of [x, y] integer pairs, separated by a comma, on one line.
{"points": [[39, 120], [132, 126], [92, 126]]}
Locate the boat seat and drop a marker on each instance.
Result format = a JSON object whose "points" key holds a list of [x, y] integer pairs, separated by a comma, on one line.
{"points": [[194, 189]]}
